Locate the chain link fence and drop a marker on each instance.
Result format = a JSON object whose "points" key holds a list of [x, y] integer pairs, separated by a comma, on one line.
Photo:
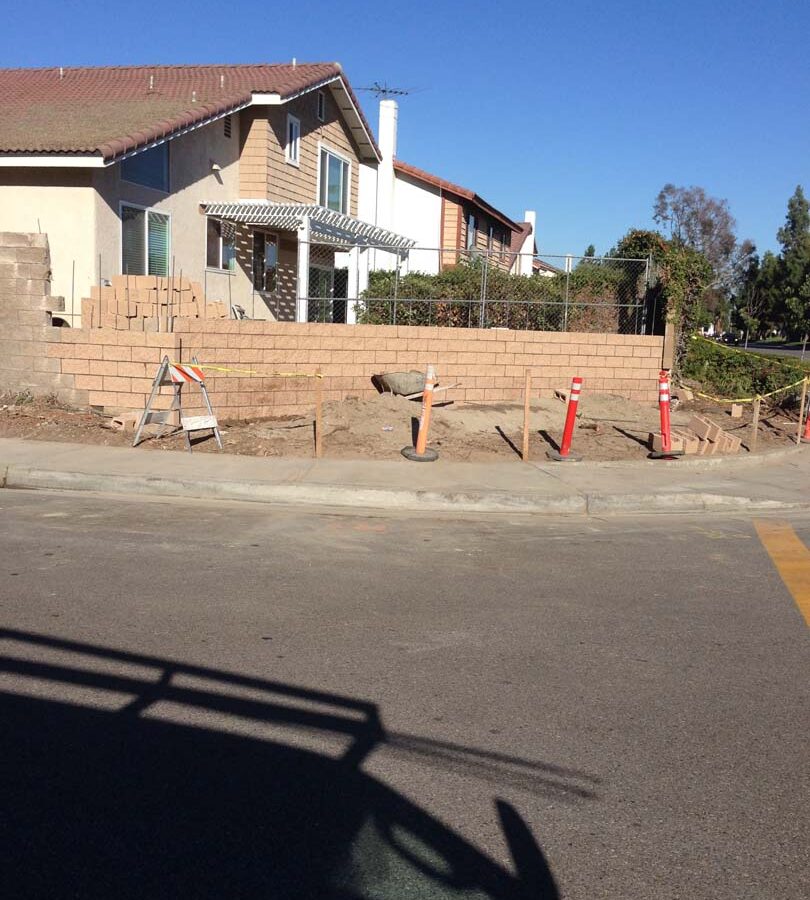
{"points": [[456, 288]]}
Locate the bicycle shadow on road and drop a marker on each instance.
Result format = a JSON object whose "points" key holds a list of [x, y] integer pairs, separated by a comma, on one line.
{"points": [[113, 802]]}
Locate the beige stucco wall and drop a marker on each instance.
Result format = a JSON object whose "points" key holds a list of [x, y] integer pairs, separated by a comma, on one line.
{"points": [[192, 182], [61, 204]]}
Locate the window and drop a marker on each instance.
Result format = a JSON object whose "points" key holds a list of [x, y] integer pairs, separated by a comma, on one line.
{"points": [[144, 241], [265, 261], [220, 245], [293, 149], [321, 105], [227, 126], [490, 238], [471, 228], [334, 182], [149, 168]]}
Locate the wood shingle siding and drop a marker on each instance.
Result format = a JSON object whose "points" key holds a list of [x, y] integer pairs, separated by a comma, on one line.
{"points": [[263, 169]]}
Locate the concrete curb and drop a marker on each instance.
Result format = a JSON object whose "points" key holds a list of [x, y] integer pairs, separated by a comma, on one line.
{"points": [[592, 503]]}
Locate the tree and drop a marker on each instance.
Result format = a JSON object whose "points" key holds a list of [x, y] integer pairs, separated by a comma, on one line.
{"points": [[700, 222], [794, 236], [590, 250]]}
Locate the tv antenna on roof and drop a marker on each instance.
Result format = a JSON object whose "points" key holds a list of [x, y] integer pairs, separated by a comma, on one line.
{"points": [[383, 91]]}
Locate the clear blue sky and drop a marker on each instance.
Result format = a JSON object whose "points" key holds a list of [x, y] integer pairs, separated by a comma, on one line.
{"points": [[580, 110]]}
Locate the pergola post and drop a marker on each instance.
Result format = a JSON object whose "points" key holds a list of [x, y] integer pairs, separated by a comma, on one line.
{"points": [[353, 288], [302, 281]]}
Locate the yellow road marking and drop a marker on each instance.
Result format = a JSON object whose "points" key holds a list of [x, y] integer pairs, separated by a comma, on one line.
{"points": [[791, 559]]}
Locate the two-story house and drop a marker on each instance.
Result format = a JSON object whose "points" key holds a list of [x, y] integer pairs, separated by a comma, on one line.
{"points": [[242, 178], [449, 223]]}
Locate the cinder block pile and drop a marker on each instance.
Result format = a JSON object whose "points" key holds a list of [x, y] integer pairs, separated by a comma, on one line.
{"points": [[146, 302], [702, 437]]}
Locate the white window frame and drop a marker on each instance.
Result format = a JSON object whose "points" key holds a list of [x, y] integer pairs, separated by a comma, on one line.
{"points": [[472, 232], [320, 109], [220, 268], [147, 210], [292, 148], [342, 158]]}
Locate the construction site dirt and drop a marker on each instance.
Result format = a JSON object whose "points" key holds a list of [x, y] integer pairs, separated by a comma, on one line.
{"points": [[608, 428]]}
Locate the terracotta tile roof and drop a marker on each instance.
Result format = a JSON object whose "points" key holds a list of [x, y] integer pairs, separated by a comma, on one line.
{"points": [[112, 110], [465, 193]]}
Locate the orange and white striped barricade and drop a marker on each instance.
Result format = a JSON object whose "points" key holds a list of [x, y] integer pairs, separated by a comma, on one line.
{"points": [[176, 375]]}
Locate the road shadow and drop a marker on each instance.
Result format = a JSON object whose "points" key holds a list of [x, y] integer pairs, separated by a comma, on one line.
{"points": [[146, 789]]}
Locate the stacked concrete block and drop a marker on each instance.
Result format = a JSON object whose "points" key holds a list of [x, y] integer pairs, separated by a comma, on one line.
{"points": [[147, 303], [712, 439], [25, 317]]}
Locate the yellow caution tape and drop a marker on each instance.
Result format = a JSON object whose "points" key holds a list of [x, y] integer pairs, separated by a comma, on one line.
{"points": [[258, 374], [780, 390]]}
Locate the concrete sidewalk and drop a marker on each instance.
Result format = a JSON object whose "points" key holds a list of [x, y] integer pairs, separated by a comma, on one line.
{"points": [[779, 480]]}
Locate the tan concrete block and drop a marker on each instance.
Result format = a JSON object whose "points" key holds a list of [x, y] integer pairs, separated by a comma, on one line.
{"points": [[89, 382], [116, 384], [75, 366]]}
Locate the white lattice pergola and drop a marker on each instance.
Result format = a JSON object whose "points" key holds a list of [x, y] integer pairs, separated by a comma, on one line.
{"points": [[313, 225], [325, 225]]}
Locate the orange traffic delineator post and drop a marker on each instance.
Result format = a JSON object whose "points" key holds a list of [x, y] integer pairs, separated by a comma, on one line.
{"points": [[421, 452], [666, 451], [565, 454]]}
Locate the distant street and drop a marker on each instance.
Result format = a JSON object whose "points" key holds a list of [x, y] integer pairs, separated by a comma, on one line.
{"points": [[776, 349], [221, 700]]}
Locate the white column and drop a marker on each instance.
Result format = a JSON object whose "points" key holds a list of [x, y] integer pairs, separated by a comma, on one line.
{"points": [[353, 289], [527, 250], [302, 281]]}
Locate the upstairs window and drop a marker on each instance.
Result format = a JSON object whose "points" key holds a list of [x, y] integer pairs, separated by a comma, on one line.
{"points": [[149, 168], [333, 182], [145, 238], [220, 245], [491, 238], [321, 106], [293, 150], [472, 226]]}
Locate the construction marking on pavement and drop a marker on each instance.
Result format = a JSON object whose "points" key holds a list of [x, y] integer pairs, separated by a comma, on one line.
{"points": [[791, 559]]}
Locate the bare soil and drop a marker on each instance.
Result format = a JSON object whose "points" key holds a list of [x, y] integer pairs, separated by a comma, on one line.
{"points": [[608, 428]]}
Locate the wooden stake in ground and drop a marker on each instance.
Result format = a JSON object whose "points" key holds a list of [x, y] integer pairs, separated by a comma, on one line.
{"points": [[318, 415], [752, 444], [527, 390], [801, 411]]}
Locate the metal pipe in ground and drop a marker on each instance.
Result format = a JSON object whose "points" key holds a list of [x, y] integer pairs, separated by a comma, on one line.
{"points": [[421, 452], [666, 451], [565, 454]]}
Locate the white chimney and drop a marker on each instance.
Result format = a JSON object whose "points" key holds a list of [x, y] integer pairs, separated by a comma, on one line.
{"points": [[387, 138], [527, 250]]}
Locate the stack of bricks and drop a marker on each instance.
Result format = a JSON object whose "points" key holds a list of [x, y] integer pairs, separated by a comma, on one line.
{"points": [[712, 439], [25, 304], [702, 437], [147, 303]]}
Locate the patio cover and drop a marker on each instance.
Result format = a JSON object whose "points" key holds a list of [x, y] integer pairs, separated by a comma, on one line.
{"points": [[326, 225]]}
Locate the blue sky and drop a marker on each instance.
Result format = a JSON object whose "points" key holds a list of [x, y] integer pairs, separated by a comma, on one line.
{"points": [[580, 110]]}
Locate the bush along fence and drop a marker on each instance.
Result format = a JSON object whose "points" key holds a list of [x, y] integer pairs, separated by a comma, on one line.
{"points": [[585, 294]]}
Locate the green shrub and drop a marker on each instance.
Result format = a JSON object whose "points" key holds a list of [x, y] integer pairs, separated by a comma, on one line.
{"points": [[732, 373]]}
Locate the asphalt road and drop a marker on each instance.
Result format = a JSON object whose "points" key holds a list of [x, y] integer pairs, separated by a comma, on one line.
{"points": [[775, 349], [224, 700]]}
